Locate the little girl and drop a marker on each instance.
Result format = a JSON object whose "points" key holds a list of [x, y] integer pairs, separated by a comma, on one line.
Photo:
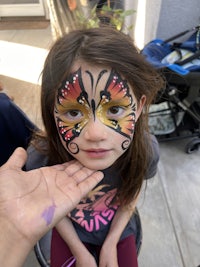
{"points": [[96, 90]]}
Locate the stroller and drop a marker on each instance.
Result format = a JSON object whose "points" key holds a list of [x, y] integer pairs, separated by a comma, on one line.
{"points": [[176, 111]]}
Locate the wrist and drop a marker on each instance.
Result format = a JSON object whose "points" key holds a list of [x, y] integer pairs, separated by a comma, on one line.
{"points": [[77, 248], [81, 252], [111, 240], [12, 243]]}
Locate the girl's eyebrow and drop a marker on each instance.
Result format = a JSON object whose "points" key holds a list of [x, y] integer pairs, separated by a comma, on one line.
{"points": [[72, 105], [119, 102]]}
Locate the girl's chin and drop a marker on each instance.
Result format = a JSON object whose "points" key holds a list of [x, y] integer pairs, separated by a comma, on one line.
{"points": [[97, 167]]}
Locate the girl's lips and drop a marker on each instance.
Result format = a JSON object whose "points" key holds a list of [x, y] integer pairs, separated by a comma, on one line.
{"points": [[97, 153]]}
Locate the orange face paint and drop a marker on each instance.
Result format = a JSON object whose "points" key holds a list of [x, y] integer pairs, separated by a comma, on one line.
{"points": [[113, 104]]}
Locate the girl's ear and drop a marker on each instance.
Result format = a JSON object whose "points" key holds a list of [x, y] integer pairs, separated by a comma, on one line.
{"points": [[140, 107]]}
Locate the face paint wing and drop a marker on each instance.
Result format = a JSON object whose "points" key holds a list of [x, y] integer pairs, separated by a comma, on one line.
{"points": [[67, 132], [71, 95], [72, 90], [117, 91]]}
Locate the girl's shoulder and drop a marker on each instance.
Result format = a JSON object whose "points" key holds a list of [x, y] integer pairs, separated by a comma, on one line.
{"points": [[153, 158]]}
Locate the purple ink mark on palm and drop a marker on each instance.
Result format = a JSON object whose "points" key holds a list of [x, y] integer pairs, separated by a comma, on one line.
{"points": [[48, 214]]}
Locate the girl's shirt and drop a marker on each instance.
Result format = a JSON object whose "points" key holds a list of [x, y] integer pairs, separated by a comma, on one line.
{"points": [[92, 217]]}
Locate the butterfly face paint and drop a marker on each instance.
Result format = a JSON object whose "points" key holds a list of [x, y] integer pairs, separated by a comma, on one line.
{"points": [[107, 99], [72, 109], [116, 108]]}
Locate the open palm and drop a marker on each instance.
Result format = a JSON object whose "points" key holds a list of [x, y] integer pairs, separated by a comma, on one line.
{"points": [[34, 201]]}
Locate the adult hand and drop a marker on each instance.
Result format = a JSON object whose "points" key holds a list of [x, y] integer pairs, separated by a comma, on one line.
{"points": [[33, 202]]}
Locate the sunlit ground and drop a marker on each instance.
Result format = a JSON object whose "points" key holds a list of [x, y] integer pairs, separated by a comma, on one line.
{"points": [[22, 62], [25, 63]]}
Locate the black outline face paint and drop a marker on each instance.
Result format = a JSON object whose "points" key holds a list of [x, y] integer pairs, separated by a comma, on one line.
{"points": [[117, 94], [93, 104], [73, 109], [72, 97]]}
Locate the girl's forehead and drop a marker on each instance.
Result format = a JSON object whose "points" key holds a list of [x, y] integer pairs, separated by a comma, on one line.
{"points": [[94, 78], [84, 66]]}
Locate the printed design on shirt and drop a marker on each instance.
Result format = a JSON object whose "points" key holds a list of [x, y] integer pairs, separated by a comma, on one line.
{"points": [[97, 210]]}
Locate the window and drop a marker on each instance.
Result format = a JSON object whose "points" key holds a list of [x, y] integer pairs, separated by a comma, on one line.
{"points": [[22, 8]]}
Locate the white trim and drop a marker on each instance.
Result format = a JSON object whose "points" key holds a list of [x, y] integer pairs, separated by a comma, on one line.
{"points": [[46, 9], [22, 10]]}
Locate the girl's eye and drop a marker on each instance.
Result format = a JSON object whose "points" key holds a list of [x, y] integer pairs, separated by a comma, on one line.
{"points": [[73, 114], [115, 112]]}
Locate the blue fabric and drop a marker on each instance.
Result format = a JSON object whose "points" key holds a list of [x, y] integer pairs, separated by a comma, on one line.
{"points": [[157, 49], [15, 128]]}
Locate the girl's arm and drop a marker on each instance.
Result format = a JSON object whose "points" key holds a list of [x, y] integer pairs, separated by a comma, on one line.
{"points": [[108, 255], [81, 254]]}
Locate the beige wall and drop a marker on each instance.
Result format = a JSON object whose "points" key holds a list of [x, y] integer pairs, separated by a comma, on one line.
{"points": [[177, 16]]}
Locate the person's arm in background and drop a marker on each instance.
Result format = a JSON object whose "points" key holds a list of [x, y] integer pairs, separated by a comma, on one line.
{"points": [[33, 202], [16, 128]]}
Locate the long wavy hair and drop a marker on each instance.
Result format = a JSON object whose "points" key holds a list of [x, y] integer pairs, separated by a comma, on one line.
{"points": [[104, 47]]}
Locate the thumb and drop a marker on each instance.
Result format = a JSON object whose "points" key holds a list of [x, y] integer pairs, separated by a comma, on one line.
{"points": [[17, 159]]}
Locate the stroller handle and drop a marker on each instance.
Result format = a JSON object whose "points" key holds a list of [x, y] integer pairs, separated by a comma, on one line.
{"points": [[181, 34]]}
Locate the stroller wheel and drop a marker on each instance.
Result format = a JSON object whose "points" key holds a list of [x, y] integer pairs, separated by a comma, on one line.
{"points": [[193, 145]]}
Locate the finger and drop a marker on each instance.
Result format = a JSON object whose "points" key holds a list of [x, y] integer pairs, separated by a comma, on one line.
{"points": [[58, 167], [90, 182], [70, 162], [63, 166], [82, 173], [72, 167], [17, 159]]}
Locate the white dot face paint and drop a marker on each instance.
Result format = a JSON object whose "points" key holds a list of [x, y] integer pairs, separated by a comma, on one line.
{"points": [[95, 115]]}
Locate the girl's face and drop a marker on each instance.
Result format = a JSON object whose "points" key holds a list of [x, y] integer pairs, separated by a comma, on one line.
{"points": [[95, 114]]}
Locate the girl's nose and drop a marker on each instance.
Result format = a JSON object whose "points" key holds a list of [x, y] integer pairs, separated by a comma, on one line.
{"points": [[95, 130]]}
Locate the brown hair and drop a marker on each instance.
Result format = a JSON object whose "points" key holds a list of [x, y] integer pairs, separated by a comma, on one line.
{"points": [[105, 47]]}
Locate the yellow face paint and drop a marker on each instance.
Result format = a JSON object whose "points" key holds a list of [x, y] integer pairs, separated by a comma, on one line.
{"points": [[72, 109], [113, 105], [116, 108]]}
